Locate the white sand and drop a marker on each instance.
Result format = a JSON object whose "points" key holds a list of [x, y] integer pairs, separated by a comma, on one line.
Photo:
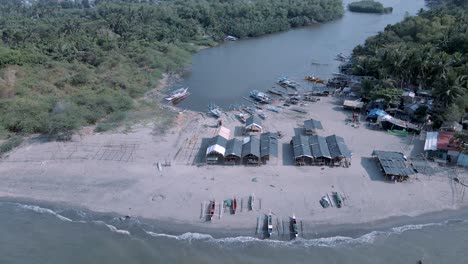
{"points": [[118, 173]]}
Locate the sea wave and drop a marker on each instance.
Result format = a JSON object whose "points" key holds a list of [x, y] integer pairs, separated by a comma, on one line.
{"points": [[113, 228], [335, 241], [42, 210]]}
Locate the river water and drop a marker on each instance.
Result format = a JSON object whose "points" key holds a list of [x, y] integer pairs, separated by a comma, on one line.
{"points": [[46, 234], [224, 74]]}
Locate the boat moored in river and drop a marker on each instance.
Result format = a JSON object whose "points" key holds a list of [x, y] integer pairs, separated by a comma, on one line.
{"points": [[178, 94]]}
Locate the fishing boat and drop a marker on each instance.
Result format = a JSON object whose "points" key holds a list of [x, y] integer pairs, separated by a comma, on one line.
{"points": [[212, 209], [270, 224], [251, 201], [338, 199], [262, 116], [294, 228], [314, 79], [273, 109], [214, 110], [234, 205], [285, 82], [260, 97], [242, 117], [250, 110], [276, 92], [177, 94], [325, 202]]}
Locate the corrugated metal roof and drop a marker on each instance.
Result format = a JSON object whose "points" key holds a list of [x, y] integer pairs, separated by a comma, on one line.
{"points": [[234, 148], [431, 141], [251, 147], [312, 124], [337, 147], [393, 163], [319, 147], [218, 145], [353, 104], [443, 141], [301, 146], [253, 119], [269, 144]]}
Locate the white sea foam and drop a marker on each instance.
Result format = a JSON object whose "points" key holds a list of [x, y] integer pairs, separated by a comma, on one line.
{"points": [[42, 210], [113, 228]]}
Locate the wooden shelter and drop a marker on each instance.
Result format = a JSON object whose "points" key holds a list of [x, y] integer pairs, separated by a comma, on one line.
{"points": [[251, 151], [268, 146], [339, 152], [301, 150], [311, 126], [393, 165], [233, 154], [320, 152], [253, 124], [216, 150]]}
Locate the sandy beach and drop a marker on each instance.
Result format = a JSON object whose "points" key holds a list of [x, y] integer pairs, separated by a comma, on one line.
{"points": [[118, 172]]}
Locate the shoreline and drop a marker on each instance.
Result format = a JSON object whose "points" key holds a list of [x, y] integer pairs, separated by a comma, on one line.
{"points": [[165, 228]]}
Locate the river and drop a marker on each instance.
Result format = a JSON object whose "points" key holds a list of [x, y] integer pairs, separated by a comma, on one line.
{"points": [[224, 74]]}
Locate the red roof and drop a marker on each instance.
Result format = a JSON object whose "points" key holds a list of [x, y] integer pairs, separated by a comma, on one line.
{"points": [[443, 141]]}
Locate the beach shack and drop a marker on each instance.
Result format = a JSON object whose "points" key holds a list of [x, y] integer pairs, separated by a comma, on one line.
{"points": [[301, 150], [251, 151], [339, 152], [311, 126], [451, 126], [320, 152], [268, 146], [233, 154], [216, 150], [393, 165], [253, 124], [442, 147]]}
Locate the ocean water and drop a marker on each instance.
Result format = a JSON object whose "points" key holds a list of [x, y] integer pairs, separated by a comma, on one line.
{"points": [[37, 234]]}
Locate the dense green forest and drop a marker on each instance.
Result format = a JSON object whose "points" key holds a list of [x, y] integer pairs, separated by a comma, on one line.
{"points": [[428, 51], [65, 65], [369, 6]]}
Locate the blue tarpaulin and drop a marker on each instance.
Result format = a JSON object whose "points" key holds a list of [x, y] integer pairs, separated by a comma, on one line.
{"points": [[375, 113]]}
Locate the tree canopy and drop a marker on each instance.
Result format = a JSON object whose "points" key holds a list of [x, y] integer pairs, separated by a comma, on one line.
{"points": [[65, 64]]}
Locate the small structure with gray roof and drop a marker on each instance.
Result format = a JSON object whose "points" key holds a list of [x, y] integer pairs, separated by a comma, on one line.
{"points": [[393, 165], [339, 152], [320, 151], [301, 150], [251, 151], [253, 124], [233, 154], [216, 150], [268, 146], [311, 126]]}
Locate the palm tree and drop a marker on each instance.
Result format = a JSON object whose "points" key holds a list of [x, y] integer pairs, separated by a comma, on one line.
{"points": [[451, 87]]}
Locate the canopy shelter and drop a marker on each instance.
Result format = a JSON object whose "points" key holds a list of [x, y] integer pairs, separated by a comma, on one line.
{"points": [[216, 150], [233, 154], [339, 152], [253, 124], [393, 165], [375, 113], [251, 151], [301, 150], [311, 126], [353, 105], [268, 146], [320, 151]]}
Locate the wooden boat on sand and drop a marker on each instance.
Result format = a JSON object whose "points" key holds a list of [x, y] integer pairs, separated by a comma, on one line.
{"points": [[294, 228], [212, 209]]}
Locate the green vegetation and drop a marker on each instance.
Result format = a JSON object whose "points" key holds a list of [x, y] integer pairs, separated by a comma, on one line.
{"points": [[429, 51], [369, 6], [10, 144], [65, 65]]}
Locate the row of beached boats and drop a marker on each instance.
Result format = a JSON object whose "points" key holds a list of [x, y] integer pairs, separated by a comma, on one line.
{"points": [[327, 201]]}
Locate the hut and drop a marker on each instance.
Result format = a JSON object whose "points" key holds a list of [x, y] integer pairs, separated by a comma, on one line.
{"points": [[301, 150], [339, 152], [233, 154], [268, 146], [451, 126], [251, 151], [253, 124], [311, 126], [320, 151], [216, 150], [353, 105], [393, 165]]}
